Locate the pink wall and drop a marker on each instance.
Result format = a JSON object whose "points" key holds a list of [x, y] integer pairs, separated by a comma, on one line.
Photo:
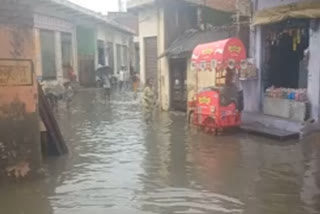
{"points": [[17, 43], [20, 151]]}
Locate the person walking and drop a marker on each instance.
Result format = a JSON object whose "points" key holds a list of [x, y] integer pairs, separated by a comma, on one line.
{"points": [[107, 87], [148, 101], [68, 94]]}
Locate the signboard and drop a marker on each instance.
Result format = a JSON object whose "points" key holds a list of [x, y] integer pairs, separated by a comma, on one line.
{"points": [[16, 72]]}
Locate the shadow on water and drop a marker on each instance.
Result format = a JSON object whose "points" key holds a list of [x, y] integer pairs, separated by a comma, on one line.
{"points": [[118, 164]]}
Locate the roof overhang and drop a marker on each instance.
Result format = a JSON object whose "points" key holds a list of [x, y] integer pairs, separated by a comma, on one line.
{"points": [[301, 10], [80, 13], [139, 4], [211, 4]]}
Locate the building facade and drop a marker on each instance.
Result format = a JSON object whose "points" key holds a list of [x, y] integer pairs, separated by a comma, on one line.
{"points": [[57, 47], [166, 28], [74, 39], [283, 44], [114, 48]]}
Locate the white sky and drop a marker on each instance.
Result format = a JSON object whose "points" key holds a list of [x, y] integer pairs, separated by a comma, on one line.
{"points": [[102, 6]]}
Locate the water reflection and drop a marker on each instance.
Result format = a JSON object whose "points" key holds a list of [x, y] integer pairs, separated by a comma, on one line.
{"points": [[119, 165]]}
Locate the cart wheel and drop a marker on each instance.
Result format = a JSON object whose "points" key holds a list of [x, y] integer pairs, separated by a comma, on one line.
{"points": [[191, 119], [207, 129], [219, 131], [210, 125]]}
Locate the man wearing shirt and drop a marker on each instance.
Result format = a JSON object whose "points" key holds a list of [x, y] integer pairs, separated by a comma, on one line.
{"points": [[121, 78]]}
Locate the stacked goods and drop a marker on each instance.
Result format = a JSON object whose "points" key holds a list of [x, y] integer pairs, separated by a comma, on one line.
{"points": [[299, 95]]}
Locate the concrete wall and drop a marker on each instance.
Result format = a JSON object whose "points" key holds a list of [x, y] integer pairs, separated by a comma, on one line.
{"points": [[163, 64], [19, 131], [58, 26], [252, 88], [314, 69], [191, 81]]}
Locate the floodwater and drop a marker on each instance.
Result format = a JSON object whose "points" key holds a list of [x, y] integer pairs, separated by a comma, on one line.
{"points": [[118, 165]]}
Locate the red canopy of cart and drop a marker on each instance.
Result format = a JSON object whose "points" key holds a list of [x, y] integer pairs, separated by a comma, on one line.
{"points": [[221, 51]]}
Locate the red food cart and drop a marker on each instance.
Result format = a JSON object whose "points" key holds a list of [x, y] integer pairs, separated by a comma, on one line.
{"points": [[215, 105]]}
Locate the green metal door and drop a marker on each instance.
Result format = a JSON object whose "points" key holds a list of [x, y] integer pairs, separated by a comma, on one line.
{"points": [[48, 55]]}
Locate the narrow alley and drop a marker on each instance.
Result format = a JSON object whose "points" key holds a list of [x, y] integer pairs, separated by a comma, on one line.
{"points": [[119, 165]]}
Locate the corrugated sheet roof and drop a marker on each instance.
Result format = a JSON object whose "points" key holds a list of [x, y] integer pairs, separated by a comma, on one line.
{"points": [[225, 5], [184, 45], [222, 5]]}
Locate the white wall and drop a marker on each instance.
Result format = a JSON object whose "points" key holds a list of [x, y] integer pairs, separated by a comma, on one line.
{"points": [[314, 69], [252, 88], [163, 65]]}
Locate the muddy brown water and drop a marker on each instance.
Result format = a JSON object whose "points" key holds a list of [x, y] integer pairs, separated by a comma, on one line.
{"points": [[119, 165]]}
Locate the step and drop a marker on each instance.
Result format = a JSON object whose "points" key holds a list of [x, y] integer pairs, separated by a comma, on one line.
{"points": [[271, 132], [271, 121]]}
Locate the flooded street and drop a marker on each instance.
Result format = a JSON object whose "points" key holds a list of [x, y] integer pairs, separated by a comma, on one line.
{"points": [[118, 165]]}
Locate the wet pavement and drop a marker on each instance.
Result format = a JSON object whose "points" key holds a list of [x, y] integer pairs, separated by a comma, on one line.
{"points": [[119, 165]]}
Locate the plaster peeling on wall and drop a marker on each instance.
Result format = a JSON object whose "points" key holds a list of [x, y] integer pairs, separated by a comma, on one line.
{"points": [[16, 110], [17, 42]]}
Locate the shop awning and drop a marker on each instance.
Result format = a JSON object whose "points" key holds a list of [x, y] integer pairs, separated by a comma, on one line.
{"points": [[300, 10], [183, 46]]}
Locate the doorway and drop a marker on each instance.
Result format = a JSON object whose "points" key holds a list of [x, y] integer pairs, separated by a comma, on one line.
{"points": [[151, 60], [178, 77], [48, 55], [287, 55], [66, 54]]}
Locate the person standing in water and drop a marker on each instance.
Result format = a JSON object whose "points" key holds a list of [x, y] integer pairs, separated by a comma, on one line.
{"points": [[121, 78], [148, 101], [135, 85]]}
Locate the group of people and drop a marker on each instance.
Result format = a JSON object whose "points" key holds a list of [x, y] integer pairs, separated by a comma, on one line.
{"points": [[121, 82], [148, 97]]}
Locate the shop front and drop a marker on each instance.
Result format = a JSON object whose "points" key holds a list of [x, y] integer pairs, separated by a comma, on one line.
{"points": [[285, 72], [286, 94]]}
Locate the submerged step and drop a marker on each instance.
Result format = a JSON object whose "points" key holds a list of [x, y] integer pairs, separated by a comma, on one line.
{"points": [[271, 132]]}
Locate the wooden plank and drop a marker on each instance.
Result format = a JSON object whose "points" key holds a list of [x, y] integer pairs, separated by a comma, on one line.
{"points": [[56, 142]]}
